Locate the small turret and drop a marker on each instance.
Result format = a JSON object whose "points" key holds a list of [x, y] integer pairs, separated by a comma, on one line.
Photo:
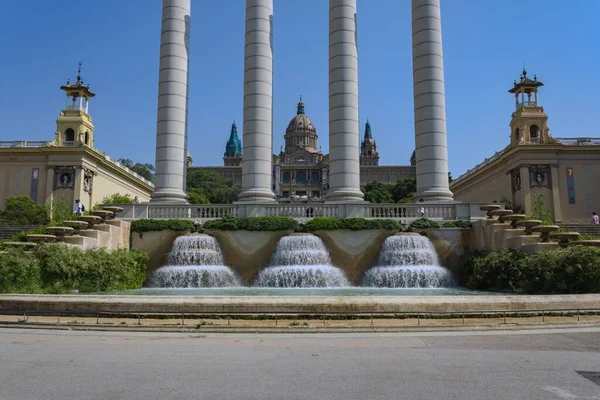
{"points": [[368, 148], [233, 148]]}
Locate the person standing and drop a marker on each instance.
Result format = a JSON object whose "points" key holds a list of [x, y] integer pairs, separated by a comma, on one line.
{"points": [[79, 208], [595, 219]]}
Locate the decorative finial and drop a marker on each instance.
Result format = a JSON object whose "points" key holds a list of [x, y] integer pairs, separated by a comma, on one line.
{"points": [[515, 82], [300, 106], [68, 81], [535, 77], [79, 73]]}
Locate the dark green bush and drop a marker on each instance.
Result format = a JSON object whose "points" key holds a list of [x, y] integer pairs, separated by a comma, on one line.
{"points": [[424, 223], [457, 224], [571, 270], [22, 210], [354, 224], [270, 223], [22, 236], [149, 225], [59, 269]]}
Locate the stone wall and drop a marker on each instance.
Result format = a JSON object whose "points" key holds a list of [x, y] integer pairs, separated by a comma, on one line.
{"points": [[157, 245], [450, 244]]}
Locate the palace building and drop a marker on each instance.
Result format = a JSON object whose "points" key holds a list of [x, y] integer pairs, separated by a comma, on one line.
{"points": [[563, 170], [68, 167], [300, 170]]}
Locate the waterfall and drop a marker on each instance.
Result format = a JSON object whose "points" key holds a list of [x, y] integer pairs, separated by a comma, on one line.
{"points": [[408, 261], [195, 261], [301, 261]]}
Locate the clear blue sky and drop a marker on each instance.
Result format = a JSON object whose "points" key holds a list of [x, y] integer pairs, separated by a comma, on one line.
{"points": [[485, 44]]}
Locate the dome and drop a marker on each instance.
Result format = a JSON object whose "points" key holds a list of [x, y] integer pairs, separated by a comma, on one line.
{"points": [[301, 123]]}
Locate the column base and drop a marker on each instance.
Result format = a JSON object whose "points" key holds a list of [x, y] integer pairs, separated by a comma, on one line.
{"points": [[347, 195], [256, 196], [435, 194], [168, 196]]}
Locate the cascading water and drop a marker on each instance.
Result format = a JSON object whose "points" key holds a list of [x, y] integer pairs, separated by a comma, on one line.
{"points": [[408, 261], [195, 261], [301, 261]]}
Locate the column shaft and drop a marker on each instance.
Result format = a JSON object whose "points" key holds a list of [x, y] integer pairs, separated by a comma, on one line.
{"points": [[429, 102], [257, 152], [344, 165], [171, 126]]}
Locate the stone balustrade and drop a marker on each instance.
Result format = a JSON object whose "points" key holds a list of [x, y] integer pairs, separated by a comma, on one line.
{"points": [[402, 212]]}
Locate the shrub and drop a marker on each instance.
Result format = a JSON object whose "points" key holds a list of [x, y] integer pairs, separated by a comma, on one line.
{"points": [[571, 270], [150, 225], [117, 198], [270, 223], [354, 224], [424, 223], [58, 269], [457, 224], [588, 237], [22, 236], [22, 210]]}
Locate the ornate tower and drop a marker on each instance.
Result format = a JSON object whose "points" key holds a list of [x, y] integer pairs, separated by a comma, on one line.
{"points": [[233, 149], [368, 148], [529, 123], [74, 125]]}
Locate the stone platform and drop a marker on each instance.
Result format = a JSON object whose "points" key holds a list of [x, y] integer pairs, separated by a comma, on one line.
{"points": [[296, 304]]}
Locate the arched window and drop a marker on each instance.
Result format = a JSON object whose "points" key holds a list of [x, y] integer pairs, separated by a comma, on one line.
{"points": [[534, 131], [517, 132], [69, 135], [286, 177], [315, 178], [87, 139], [301, 178]]}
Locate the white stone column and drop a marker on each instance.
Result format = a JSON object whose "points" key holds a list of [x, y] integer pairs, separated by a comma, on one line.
{"points": [[429, 102], [257, 143], [171, 126], [344, 164]]}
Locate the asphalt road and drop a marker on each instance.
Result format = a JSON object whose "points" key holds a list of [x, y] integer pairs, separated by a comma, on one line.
{"points": [[99, 365]]}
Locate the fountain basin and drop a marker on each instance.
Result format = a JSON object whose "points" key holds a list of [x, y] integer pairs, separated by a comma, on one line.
{"points": [[564, 237], [301, 276], [545, 231], [409, 276], [490, 207], [195, 276], [529, 224]]}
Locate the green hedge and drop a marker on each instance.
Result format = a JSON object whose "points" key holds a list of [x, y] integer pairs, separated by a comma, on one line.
{"points": [[424, 223], [354, 224], [56, 268], [149, 225], [571, 270], [270, 223], [457, 224]]}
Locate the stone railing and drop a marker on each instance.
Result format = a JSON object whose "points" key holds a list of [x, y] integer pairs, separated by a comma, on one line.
{"points": [[581, 141], [411, 211], [403, 212], [23, 143], [302, 210]]}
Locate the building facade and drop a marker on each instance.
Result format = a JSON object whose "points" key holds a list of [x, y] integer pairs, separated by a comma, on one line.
{"points": [[563, 170], [300, 170], [68, 167]]}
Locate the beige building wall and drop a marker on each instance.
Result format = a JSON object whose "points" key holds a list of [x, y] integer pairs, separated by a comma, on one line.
{"points": [[17, 166]]}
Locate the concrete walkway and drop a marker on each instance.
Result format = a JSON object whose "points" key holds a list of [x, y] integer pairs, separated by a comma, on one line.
{"points": [[544, 365]]}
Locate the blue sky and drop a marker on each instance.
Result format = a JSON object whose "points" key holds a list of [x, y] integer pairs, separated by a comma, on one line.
{"points": [[485, 44]]}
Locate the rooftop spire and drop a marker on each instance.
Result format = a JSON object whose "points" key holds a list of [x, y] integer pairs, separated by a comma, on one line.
{"points": [[300, 106], [233, 148], [79, 72], [368, 134]]}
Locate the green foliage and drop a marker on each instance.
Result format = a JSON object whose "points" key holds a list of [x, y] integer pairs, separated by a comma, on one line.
{"points": [[354, 224], [270, 223], [146, 171], [22, 236], [150, 225], [540, 211], [60, 210], [509, 205], [213, 186], [424, 223], [197, 196], [401, 192], [404, 190], [117, 198], [588, 237], [56, 268], [22, 210], [571, 270], [457, 224]]}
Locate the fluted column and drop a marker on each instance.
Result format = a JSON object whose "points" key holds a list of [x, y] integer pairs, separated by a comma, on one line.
{"points": [[171, 125], [429, 101], [258, 104], [344, 165]]}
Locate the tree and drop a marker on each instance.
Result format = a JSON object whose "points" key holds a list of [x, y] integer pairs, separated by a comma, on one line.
{"points": [[404, 190], [379, 195], [211, 185], [146, 171], [22, 210], [197, 196]]}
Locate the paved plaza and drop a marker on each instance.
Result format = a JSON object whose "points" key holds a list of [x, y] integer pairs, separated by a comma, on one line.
{"points": [[461, 365]]}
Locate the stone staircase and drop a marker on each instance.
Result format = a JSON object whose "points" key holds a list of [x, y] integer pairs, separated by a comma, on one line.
{"points": [[100, 230], [584, 229], [8, 231]]}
